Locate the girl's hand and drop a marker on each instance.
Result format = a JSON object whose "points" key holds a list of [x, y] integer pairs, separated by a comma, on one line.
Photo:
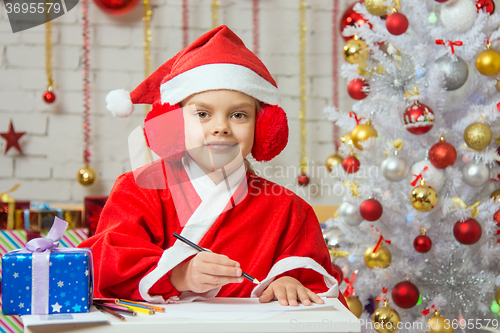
{"points": [[204, 272], [287, 291]]}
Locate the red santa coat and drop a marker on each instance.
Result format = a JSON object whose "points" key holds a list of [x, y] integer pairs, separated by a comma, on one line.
{"points": [[271, 232]]}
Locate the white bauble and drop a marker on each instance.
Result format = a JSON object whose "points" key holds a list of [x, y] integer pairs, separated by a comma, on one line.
{"points": [[458, 15], [350, 213], [433, 177]]}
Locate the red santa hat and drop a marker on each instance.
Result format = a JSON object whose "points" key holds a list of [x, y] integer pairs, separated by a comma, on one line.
{"points": [[216, 60]]}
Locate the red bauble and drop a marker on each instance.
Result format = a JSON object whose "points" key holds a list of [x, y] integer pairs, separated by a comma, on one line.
{"points": [[405, 294], [337, 269], [467, 232], [49, 97], [397, 24], [441, 1], [487, 5], [422, 244], [371, 210], [302, 179], [351, 164], [350, 17], [116, 7], [496, 218], [355, 89], [418, 118], [442, 155]]}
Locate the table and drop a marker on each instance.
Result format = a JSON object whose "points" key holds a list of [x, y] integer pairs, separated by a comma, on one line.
{"points": [[335, 318]]}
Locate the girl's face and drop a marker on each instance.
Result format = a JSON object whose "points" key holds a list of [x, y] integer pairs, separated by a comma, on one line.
{"points": [[219, 127]]}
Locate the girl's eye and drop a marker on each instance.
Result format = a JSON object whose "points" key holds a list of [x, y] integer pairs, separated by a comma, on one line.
{"points": [[202, 114], [239, 115]]}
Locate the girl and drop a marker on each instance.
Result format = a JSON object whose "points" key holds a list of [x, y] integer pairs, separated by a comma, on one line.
{"points": [[213, 104]]}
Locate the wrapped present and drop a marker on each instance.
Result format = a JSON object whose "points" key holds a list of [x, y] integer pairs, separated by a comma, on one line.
{"points": [[7, 208], [40, 217], [11, 240], [44, 279], [93, 209]]}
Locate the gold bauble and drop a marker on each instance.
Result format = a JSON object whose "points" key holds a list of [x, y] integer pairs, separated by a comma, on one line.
{"points": [[478, 136], [385, 319], [346, 138], [86, 176], [423, 198], [488, 62], [376, 7], [497, 296], [381, 258], [354, 305], [361, 133], [496, 195], [355, 51], [438, 324], [333, 160]]}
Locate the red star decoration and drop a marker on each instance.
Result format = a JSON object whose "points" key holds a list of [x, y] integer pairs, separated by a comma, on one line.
{"points": [[12, 138]]}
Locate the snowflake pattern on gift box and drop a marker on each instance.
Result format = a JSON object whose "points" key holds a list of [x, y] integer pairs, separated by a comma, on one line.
{"points": [[70, 283]]}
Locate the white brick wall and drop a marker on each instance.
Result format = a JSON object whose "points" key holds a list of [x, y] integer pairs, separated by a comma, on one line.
{"points": [[53, 144]]}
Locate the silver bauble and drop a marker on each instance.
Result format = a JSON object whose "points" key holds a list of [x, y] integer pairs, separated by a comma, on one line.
{"points": [[332, 237], [350, 213], [455, 72], [475, 174], [394, 168]]}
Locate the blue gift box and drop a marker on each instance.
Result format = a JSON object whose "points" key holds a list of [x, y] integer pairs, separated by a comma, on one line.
{"points": [[70, 285]]}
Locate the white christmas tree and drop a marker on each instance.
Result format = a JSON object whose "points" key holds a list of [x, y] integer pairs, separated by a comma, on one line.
{"points": [[421, 146]]}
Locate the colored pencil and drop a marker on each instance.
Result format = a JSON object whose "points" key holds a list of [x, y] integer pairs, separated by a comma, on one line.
{"points": [[138, 308], [111, 312], [117, 307], [199, 248], [156, 308]]}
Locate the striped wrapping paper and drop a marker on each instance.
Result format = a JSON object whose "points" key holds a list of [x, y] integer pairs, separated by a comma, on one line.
{"points": [[72, 237], [11, 240]]}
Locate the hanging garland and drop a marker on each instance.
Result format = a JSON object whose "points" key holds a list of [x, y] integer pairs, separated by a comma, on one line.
{"points": [[256, 44], [303, 179], [215, 13], [148, 37], [185, 22], [49, 96], [86, 176], [335, 160], [335, 72]]}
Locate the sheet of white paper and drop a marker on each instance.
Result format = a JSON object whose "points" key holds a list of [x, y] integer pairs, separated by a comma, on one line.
{"points": [[94, 316], [239, 308]]}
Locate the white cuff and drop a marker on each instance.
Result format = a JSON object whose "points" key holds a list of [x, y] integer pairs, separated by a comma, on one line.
{"points": [[290, 263]]}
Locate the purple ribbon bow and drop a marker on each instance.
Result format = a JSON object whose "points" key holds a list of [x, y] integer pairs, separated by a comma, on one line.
{"points": [[52, 240], [41, 248]]}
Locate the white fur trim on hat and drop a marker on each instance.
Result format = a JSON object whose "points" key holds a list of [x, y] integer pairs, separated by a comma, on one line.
{"points": [[215, 77], [119, 103]]}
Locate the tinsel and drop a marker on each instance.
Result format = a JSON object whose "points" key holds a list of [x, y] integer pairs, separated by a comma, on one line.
{"points": [[215, 13], [87, 153], [302, 84], [148, 37], [256, 27], [48, 55], [335, 71], [185, 23]]}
